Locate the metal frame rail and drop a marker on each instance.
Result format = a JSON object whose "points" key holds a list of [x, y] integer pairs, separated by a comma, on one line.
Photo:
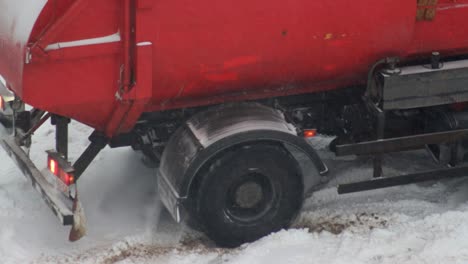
{"points": [[409, 88]]}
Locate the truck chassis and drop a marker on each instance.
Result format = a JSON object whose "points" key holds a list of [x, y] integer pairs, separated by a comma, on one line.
{"points": [[189, 142]]}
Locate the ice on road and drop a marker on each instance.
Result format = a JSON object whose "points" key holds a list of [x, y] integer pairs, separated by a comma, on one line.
{"points": [[425, 223]]}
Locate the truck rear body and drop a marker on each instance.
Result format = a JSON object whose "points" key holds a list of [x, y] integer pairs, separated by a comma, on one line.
{"points": [[222, 95], [73, 57]]}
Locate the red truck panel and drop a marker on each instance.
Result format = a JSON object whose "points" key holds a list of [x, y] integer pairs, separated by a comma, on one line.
{"points": [[16, 24], [189, 53]]}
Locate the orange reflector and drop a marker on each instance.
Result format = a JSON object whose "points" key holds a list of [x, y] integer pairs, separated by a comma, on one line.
{"points": [[309, 133], [2, 103], [69, 179]]}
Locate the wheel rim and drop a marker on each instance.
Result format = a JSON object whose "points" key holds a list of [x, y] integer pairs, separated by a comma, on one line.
{"points": [[250, 198]]}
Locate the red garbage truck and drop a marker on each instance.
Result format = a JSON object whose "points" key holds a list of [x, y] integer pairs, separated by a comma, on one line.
{"points": [[220, 95]]}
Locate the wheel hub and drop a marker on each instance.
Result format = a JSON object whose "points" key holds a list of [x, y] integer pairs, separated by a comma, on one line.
{"points": [[250, 198], [248, 195]]}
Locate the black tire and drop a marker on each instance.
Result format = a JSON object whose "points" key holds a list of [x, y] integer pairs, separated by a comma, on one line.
{"points": [[248, 193]]}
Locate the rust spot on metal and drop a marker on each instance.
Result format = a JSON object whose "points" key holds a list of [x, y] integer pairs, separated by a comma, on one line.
{"points": [[422, 2], [420, 14], [328, 36], [430, 14], [427, 10]]}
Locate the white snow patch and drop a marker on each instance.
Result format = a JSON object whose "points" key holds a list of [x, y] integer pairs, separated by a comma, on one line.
{"points": [[425, 223], [18, 17], [2, 81]]}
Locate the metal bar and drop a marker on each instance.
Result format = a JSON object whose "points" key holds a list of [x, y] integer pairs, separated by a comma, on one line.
{"points": [[128, 39], [61, 135], [60, 205], [378, 158], [88, 156], [35, 127], [36, 115], [400, 143], [403, 180]]}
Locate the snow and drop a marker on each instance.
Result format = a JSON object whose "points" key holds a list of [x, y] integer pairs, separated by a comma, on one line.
{"points": [[425, 223], [18, 17]]}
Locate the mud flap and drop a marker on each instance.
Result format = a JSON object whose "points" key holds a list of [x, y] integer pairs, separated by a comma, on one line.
{"points": [[79, 220]]}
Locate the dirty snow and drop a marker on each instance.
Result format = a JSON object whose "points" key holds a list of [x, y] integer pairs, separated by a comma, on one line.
{"points": [[425, 223]]}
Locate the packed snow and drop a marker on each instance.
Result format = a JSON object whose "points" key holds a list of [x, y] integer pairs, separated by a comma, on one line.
{"points": [[425, 223]]}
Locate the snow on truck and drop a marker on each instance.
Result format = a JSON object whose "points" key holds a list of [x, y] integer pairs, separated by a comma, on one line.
{"points": [[224, 94]]}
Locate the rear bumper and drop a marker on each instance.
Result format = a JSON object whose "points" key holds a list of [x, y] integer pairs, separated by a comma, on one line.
{"points": [[61, 205]]}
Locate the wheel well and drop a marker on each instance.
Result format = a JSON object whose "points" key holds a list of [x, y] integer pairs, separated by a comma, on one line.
{"points": [[198, 143]]}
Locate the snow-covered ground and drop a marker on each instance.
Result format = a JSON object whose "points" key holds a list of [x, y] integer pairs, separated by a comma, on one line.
{"points": [[425, 223]]}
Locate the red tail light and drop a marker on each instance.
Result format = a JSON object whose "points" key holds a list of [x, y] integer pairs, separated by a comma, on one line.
{"points": [[69, 179], [309, 133], [53, 166], [61, 168]]}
